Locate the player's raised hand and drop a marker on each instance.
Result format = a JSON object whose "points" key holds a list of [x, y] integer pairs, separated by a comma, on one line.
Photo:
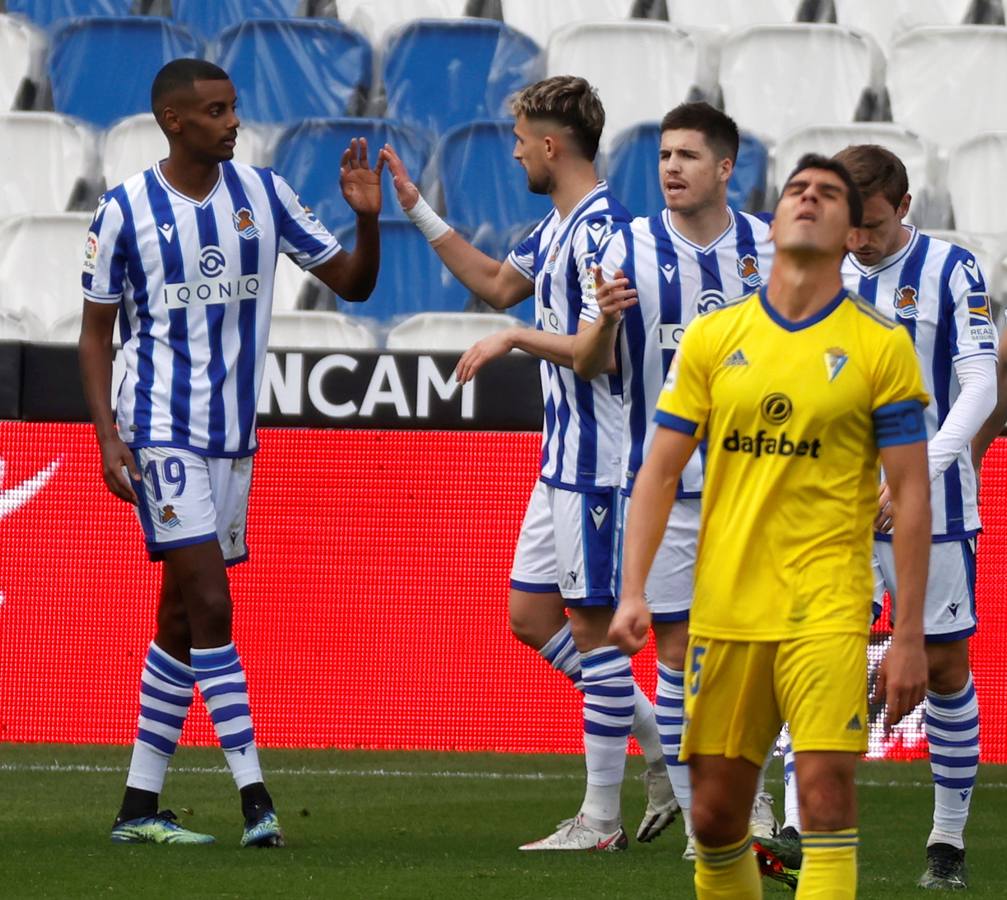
{"points": [[360, 184], [613, 296], [630, 625], [482, 352], [902, 680], [118, 468], [406, 192]]}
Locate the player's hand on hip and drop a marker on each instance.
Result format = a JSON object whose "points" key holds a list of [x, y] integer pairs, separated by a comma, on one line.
{"points": [[885, 518], [482, 352], [902, 679], [119, 470], [613, 296], [360, 184], [407, 193], [630, 625]]}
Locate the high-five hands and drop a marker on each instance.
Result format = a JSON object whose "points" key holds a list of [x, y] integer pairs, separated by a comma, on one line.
{"points": [[361, 185]]}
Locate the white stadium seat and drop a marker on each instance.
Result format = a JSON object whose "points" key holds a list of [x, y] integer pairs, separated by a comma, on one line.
{"points": [[290, 280], [40, 264], [779, 78], [948, 84], [672, 63], [45, 158], [136, 143], [887, 20], [915, 153], [22, 51], [447, 332], [540, 20], [376, 18], [318, 330], [20, 326], [722, 14], [977, 181], [987, 249]]}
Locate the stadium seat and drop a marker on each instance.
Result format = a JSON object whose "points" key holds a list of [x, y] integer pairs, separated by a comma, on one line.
{"points": [[464, 157], [317, 330], [721, 14], [774, 77], [139, 46], [977, 179], [411, 279], [209, 19], [45, 13], [886, 21], [439, 74], [914, 152], [137, 142], [633, 173], [22, 50], [378, 18], [671, 57], [285, 70], [947, 84], [40, 264], [540, 20], [49, 163], [289, 284], [308, 154], [20, 326], [447, 332]]}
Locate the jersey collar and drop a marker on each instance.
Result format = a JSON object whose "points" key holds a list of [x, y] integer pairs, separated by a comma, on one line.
{"points": [[674, 232], [888, 261], [814, 319], [584, 201], [201, 204]]}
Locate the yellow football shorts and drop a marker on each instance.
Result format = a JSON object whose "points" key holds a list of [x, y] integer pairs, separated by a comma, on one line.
{"points": [[738, 694]]}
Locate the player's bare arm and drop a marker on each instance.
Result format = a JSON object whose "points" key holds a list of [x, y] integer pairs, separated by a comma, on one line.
{"points": [[498, 283], [903, 681], [554, 348], [594, 346], [95, 350], [353, 275], [994, 424], [653, 497]]}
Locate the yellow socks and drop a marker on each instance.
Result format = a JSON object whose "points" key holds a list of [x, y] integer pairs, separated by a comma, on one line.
{"points": [[829, 871], [727, 873]]}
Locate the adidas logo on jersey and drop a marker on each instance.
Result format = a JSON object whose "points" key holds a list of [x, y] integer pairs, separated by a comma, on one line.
{"points": [[736, 359], [854, 724]]}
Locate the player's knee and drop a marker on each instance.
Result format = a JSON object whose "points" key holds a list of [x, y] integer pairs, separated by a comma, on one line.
{"points": [[827, 804], [716, 820], [211, 616], [948, 669]]}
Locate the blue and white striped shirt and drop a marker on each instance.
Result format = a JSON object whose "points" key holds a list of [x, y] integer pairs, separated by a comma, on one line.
{"points": [[195, 286], [581, 439], [937, 291], [676, 280]]}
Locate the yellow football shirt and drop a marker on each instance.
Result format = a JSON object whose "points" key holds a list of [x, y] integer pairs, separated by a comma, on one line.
{"points": [[793, 415]]}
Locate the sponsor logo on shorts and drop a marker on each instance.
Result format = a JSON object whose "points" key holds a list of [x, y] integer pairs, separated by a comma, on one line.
{"points": [[855, 724], [169, 517]]}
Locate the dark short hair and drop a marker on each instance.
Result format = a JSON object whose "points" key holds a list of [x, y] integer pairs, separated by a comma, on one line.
{"points": [[568, 100], [830, 164], [719, 129], [876, 170], [182, 73]]}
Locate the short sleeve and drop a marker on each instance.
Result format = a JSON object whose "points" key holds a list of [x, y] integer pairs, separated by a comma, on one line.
{"points": [[104, 267], [302, 236], [974, 333], [522, 257], [684, 402]]}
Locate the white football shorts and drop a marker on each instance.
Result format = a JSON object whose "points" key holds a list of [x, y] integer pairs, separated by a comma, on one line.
{"points": [[567, 544], [187, 499]]}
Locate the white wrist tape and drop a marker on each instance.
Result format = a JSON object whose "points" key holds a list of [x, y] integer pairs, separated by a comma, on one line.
{"points": [[431, 225]]}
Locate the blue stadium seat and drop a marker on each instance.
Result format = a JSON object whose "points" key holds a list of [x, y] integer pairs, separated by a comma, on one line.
{"points": [[308, 154], [209, 19], [633, 173], [290, 69], [439, 74], [498, 244], [482, 182], [412, 278], [101, 67], [46, 12]]}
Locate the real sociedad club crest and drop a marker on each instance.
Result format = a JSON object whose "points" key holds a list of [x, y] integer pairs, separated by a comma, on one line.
{"points": [[905, 302], [244, 224], [748, 271]]}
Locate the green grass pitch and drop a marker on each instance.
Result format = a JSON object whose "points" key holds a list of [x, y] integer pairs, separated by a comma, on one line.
{"points": [[410, 825]]}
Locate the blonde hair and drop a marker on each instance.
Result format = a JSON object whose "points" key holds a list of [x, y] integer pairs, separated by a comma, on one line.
{"points": [[568, 100]]}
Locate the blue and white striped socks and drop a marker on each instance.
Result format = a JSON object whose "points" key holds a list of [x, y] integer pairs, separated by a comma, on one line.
{"points": [[561, 653], [952, 726], [165, 696], [670, 707], [221, 681], [608, 715]]}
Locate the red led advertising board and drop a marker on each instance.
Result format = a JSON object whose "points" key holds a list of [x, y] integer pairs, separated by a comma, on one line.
{"points": [[371, 614]]}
